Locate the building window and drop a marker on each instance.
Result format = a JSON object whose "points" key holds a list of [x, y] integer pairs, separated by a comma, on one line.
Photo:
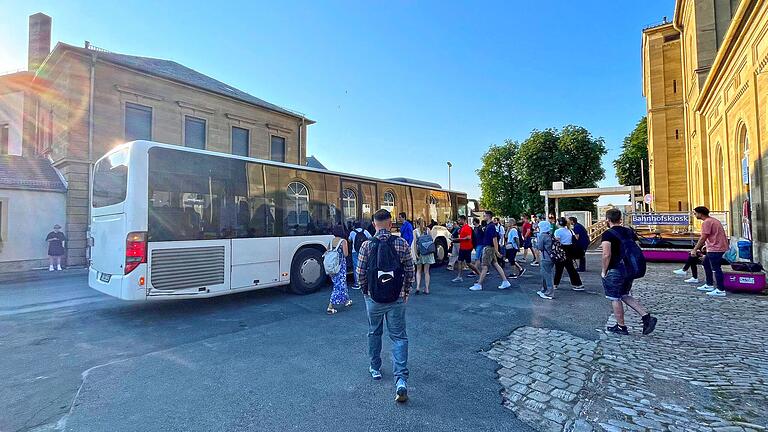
{"points": [[297, 205], [4, 139], [240, 141], [194, 132], [677, 134], [138, 122], [674, 86], [277, 149], [389, 201], [349, 205]]}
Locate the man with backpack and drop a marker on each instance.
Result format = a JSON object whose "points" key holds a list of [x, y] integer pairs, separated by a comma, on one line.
{"points": [[623, 262], [385, 270], [357, 237]]}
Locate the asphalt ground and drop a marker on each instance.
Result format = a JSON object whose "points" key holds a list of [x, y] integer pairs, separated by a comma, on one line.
{"points": [[74, 359]]}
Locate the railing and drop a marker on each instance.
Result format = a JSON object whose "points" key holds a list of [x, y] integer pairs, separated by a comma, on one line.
{"points": [[596, 231], [92, 47]]}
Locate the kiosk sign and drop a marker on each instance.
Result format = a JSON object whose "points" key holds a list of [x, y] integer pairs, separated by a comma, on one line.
{"points": [[661, 219]]}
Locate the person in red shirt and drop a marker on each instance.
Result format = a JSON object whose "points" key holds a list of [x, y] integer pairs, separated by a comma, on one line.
{"points": [[527, 233], [713, 236], [465, 249]]}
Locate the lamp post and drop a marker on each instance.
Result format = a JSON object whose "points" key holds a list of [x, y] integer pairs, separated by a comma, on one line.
{"points": [[449, 174]]}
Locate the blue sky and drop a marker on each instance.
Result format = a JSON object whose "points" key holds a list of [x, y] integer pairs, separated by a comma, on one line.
{"points": [[398, 87]]}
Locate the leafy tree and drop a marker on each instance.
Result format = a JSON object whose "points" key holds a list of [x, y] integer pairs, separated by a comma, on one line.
{"points": [[571, 156], [497, 179], [633, 150]]}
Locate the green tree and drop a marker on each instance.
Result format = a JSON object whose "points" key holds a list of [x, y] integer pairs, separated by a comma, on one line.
{"points": [[571, 155], [497, 179], [633, 150]]}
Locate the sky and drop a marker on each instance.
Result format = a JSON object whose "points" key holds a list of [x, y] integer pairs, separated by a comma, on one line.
{"points": [[398, 88]]}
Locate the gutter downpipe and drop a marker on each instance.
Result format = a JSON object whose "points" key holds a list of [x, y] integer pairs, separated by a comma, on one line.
{"points": [[299, 146], [90, 156]]}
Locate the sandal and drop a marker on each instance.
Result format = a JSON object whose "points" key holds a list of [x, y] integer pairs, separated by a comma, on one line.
{"points": [[348, 303], [330, 311]]}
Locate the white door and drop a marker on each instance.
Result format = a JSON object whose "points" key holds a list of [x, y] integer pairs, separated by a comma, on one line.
{"points": [[255, 262]]}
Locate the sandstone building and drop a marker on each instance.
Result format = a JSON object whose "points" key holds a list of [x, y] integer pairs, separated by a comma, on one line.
{"points": [[76, 103], [723, 61]]}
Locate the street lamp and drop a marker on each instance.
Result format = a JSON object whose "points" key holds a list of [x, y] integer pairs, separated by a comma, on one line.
{"points": [[449, 174]]}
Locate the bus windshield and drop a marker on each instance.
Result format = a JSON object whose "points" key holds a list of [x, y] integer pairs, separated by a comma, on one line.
{"points": [[110, 179]]}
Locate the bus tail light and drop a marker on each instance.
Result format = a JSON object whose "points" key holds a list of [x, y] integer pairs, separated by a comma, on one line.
{"points": [[135, 250]]}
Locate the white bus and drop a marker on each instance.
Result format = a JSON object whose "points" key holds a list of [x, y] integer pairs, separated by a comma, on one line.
{"points": [[173, 222]]}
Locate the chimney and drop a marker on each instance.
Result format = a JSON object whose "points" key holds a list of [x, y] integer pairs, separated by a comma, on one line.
{"points": [[39, 40]]}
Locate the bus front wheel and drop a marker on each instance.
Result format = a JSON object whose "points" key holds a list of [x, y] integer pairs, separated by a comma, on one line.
{"points": [[307, 273]]}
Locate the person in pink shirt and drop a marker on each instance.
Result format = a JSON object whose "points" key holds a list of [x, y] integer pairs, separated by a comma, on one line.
{"points": [[714, 238]]}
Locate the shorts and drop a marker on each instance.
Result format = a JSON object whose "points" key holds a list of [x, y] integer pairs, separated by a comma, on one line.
{"points": [[465, 255], [511, 255], [478, 252], [527, 243], [489, 256], [616, 284]]}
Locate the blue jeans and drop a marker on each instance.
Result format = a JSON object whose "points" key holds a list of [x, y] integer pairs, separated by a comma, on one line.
{"points": [[547, 271], [616, 284], [713, 262], [354, 267], [395, 317]]}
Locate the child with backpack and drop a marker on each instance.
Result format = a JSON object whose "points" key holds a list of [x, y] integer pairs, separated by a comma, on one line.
{"points": [[335, 263], [623, 262], [357, 237], [423, 250]]}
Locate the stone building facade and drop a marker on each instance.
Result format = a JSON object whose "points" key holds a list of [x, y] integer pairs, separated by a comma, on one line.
{"points": [[724, 68], [663, 90], [87, 100]]}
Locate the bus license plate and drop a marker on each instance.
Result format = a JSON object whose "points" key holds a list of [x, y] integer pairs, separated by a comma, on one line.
{"points": [[105, 277]]}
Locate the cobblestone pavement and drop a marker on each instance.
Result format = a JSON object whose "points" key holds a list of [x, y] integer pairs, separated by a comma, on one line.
{"points": [[705, 368]]}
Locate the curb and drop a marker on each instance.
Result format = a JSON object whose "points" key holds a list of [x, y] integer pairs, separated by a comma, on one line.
{"points": [[43, 274]]}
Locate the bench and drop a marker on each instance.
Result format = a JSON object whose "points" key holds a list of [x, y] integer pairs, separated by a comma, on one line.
{"points": [[743, 281], [666, 255]]}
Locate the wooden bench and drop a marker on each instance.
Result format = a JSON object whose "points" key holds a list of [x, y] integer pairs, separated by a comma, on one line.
{"points": [[743, 281]]}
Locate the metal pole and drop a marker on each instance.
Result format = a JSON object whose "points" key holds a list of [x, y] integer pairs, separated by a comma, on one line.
{"points": [[449, 175], [557, 207], [546, 204], [642, 182]]}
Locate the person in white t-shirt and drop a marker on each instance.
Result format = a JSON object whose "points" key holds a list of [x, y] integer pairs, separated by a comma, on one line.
{"points": [[512, 247], [566, 237]]}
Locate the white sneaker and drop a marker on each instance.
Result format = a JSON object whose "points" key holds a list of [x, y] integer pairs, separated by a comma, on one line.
{"points": [[706, 288], [716, 293], [476, 287], [680, 272], [505, 285], [578, 288], [355, 287], [457, 279], [58, 268], [50, 268], [534, 264], [544, 296], [691, 280]]}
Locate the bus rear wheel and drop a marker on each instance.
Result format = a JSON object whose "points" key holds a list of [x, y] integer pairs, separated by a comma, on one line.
{"points": [[441, 251], [307, 273]]}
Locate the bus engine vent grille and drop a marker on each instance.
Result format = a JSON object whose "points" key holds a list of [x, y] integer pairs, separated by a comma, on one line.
{"points": [[185, 268]]}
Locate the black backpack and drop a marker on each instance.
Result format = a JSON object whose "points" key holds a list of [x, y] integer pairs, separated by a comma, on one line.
{"points": [[360, 238], [385, 271], [631, 255]]}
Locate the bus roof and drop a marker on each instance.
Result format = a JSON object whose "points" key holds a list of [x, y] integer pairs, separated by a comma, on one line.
{"points": [[146, 145]]}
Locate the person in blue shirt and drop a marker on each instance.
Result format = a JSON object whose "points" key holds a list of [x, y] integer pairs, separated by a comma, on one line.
{"points": [[582, 242], [406, 228], [490, 254]]}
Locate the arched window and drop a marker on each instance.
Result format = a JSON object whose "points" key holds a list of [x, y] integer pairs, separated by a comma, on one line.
{"points": [[432, 208], [746, 204], [719, 200], [297, 204], [349, 205], [389, 201]]}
